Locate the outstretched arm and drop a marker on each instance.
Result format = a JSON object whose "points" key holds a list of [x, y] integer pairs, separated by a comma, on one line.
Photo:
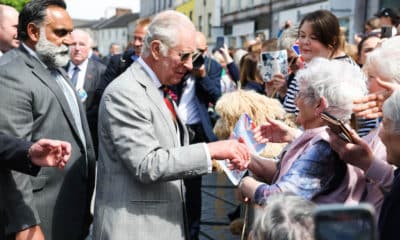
{"points": [[18, 154]]}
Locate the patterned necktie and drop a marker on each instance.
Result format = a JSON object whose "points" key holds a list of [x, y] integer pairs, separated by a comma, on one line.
{"points": [[169, 98], [75, 74]]}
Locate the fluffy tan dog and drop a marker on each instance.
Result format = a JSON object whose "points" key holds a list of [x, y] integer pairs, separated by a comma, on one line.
{"points": [[231, 105]]}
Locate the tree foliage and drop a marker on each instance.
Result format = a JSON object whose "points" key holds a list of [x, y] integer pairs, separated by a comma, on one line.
{"points": [[18, 4]]}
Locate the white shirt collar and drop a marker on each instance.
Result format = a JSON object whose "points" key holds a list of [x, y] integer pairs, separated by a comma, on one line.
{"points": [[149, 71], [81, 66], [33, 54]]}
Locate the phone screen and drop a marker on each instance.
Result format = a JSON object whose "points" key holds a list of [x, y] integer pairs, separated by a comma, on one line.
{"points": [[220, 43], [386, 32], [345, 223]]}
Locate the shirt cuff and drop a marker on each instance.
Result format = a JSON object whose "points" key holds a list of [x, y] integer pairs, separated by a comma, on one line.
{"points": [[259, 197], [208, 155]]}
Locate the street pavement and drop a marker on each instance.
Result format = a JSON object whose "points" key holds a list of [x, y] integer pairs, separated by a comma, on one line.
{"points": [[218, 200]]}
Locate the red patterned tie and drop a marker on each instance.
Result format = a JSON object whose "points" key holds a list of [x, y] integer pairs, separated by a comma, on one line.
{"points": [[169, 98]]}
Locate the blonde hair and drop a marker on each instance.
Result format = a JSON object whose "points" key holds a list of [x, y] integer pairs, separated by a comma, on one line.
{"points": [[232, 105]]}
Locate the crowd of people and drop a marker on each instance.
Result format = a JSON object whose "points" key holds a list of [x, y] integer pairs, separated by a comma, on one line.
{"points": [[116, 147]]}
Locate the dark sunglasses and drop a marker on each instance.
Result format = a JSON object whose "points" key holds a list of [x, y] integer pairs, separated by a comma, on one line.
{"points": [[185, 56]]}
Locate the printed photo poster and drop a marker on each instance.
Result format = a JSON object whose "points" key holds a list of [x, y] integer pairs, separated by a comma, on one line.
{"points": [[243, 129], [273, 62]]}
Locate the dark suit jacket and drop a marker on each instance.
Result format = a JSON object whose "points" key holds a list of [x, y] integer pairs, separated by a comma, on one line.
{"points": [[117, 64], [35, 107], [390, 212], [208, 90], [14, 155], [94, 73]]}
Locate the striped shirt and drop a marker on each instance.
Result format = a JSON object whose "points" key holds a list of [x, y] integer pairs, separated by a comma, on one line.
{"points": [[293, 88]]}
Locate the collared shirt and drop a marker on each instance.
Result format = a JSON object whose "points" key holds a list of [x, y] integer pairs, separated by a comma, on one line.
{"points": [[158, 85], [187, 105], [33, 54], [82, 73]]}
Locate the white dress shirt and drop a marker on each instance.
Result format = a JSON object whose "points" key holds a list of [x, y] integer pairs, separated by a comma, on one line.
{"points": [[82, 73], [187, 105]]}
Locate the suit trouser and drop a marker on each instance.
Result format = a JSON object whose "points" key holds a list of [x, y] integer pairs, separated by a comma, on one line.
{"points": [[193, 186]]}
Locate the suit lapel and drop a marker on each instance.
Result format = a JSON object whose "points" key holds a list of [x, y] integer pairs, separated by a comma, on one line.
{"points": [[44, 76], [154, 95], [90, 74]]}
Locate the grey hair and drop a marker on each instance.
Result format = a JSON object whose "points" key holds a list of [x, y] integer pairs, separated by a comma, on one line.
{"points": [[391, 110], [339, 82], [385, 60], [288, 38], [285, 217], [165, 27]]}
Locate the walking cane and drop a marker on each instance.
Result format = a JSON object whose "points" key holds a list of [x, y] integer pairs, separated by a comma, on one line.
{"points": [[246, 216]]}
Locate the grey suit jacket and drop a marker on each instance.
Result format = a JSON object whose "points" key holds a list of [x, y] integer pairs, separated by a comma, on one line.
{"points": [[33, 106], [141, 163]]}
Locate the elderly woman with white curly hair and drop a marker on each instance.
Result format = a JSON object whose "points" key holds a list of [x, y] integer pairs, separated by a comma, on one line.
{"points": [[369, 154], [308, 166], [286, 217]]}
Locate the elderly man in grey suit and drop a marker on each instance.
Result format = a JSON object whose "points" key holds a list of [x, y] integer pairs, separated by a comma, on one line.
{"points": [[143, 152], [38, 101]]}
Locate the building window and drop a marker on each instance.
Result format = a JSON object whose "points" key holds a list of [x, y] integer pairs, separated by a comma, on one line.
{"points": [[209, 25], [200, 24]]}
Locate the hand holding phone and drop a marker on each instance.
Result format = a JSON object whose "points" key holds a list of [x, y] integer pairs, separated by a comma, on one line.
{"points": [[220, 42], [337, 127], [386, 32]]}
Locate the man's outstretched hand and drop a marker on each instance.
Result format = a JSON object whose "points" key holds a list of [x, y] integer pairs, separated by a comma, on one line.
{"points": [[50, 153]]}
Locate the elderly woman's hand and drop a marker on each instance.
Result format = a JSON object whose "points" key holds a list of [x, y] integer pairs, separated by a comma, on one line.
{"points": [[358, 153], [248, 187], [225, 53], [370, 106], [278, 82], [274, 131]]}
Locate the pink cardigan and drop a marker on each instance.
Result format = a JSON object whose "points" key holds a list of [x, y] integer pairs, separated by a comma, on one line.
{"points": [[380, 174]]}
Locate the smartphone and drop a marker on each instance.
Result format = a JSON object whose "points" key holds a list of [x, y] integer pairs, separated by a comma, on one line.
{"points": [[220, 42], [338, 221], [337, 126], [197, 60], [386, 32]]}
